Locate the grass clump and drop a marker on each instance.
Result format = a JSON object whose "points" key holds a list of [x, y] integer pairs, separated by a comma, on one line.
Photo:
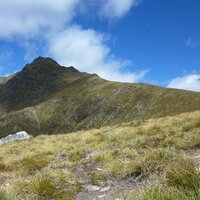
{"points": [[151, 161], [162, 193], [6, 194], [3, 167], [32, 165], [155, 160], [179, 180], [183, 174], [49, 186], [191, 125]]}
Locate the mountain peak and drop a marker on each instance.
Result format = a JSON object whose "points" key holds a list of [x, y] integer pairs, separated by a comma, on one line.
{"points": [[42, 63], [44, 60], [36, 81], [46, 65]]}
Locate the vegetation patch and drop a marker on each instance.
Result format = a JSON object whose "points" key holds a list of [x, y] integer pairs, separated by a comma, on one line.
{"points": [[32, 165], [161, 193], [51, 185], [3, 166], [6, 194], [183, 174]]}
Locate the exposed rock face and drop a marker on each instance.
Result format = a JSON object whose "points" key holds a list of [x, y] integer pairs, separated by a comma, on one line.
{"points": [[46, 98], [14, 137]]}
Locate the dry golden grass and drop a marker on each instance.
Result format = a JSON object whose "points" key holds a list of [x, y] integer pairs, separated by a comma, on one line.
{"points": [[2, 166], [129, 150]]}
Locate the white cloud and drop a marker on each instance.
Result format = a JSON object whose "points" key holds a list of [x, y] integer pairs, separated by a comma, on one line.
{"points": [[189, 82], [37, 25], [116, 8], [28, 18], [87, 50]]}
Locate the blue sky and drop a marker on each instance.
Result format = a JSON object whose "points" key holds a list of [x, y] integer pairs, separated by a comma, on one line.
{"points": [[151, 41]]}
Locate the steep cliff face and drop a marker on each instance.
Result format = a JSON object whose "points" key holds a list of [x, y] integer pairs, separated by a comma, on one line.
{"points": [[46, 98]]}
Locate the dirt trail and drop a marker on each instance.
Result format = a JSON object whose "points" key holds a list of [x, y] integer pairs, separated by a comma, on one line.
{"points": [[118, 190]]}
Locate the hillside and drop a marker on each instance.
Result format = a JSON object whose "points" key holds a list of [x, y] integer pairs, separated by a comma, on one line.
{"points": [[47, 98], [4, 79], [156, 160]]}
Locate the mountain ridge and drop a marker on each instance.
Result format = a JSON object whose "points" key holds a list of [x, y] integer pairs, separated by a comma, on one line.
{"points": [[47, 98]]}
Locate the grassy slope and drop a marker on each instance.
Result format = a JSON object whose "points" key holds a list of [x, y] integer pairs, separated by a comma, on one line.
{"points": [[46, 98], [3, 80], [152, 152]]}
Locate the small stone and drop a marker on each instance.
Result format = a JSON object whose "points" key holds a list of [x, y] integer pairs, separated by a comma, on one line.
{"points": [[93, 188], [102, 196], [105, 189]]}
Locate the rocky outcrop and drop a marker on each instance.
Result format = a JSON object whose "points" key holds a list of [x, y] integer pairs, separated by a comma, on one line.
{"points": [[15, 137]]}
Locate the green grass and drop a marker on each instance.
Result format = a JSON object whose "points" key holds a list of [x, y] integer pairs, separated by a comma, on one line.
{"points": [[54, 185], [161, 193], [32, 165], [179, 180], [182, 174], [6, 194]]}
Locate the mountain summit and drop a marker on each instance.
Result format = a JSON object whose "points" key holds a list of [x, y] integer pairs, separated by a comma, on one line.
{"points": [[47, 67], [46, 98], [35, 82]]}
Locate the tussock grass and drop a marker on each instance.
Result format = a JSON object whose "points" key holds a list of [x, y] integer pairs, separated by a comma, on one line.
{"points": [[51, 185], [161, 193], [179, 180], [155, 160], [182, 174], [32, 165], [3, 166], [6, 194], [153, 150], [149, 162]]}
